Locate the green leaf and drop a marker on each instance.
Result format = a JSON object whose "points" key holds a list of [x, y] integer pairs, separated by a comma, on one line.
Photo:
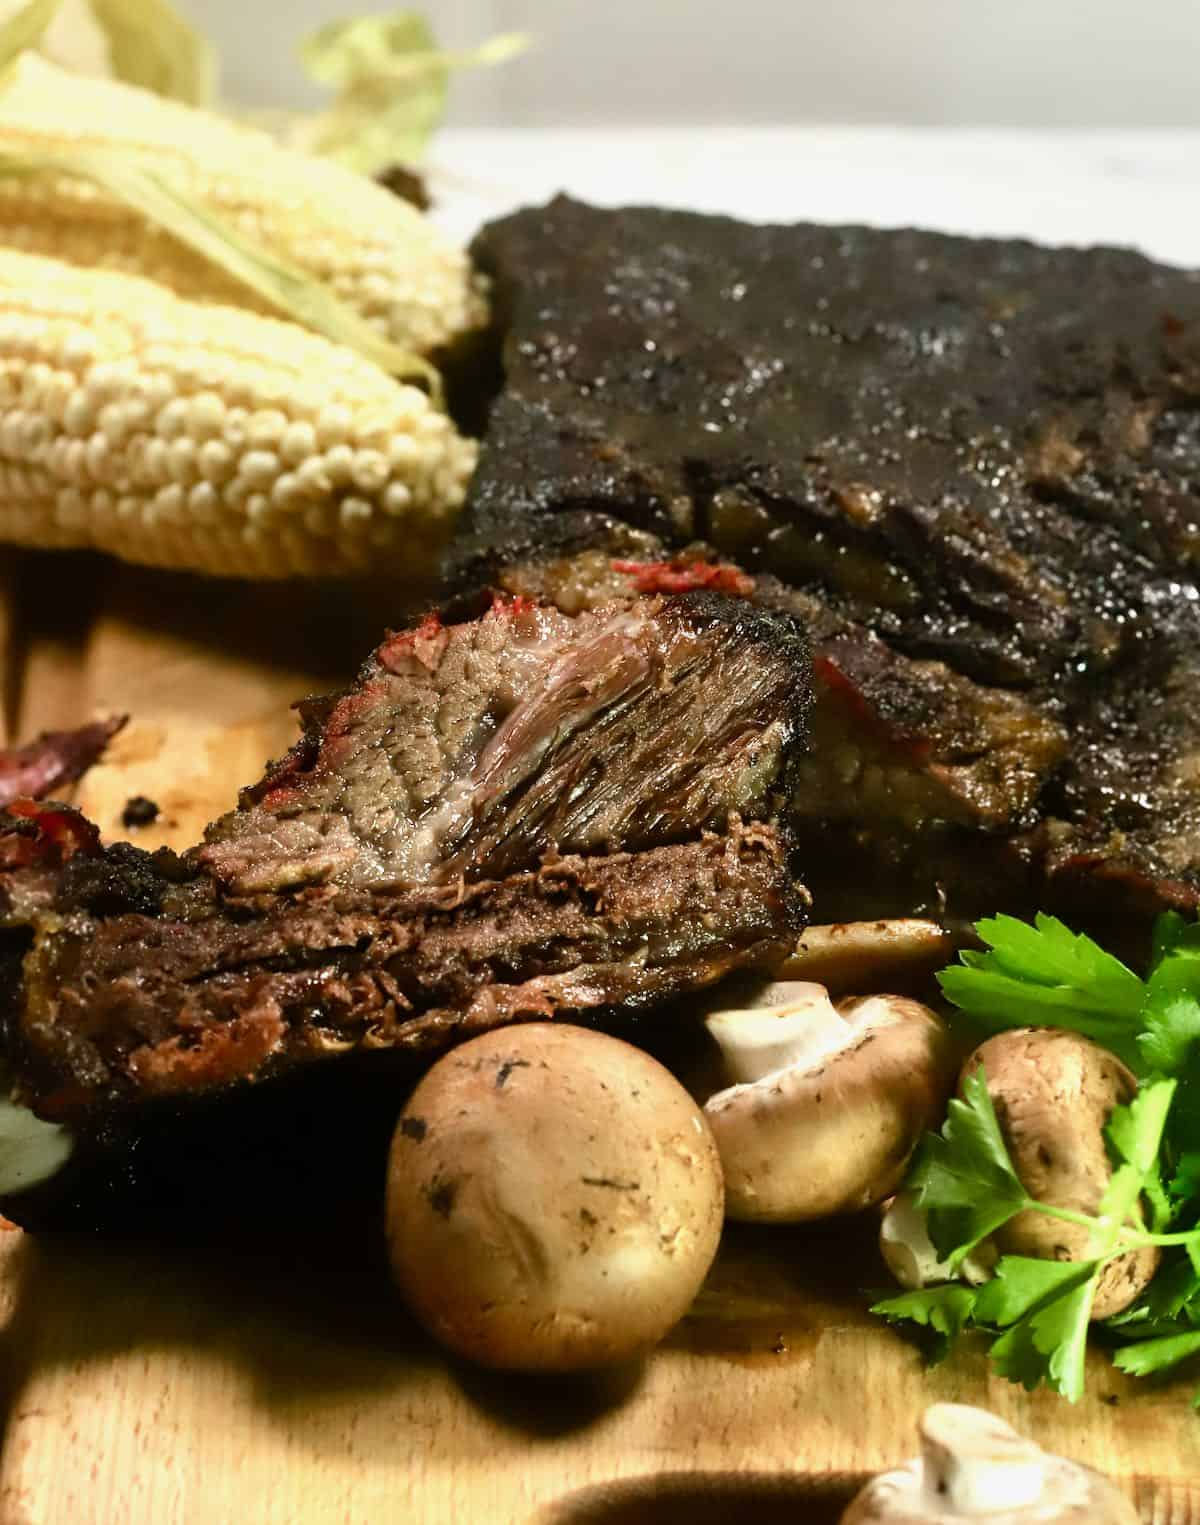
{"points": [[1135, 1137], [24, 29], [1171, 1020], [1044, 974], [945, 1310], [1146, 1356], [1021, 1284], [341, 52], [1170, 931], [1135, 1134], [1185, 1182], [152, 46], [963, 1179], [1135, 1130], [1050, 1344], [293, 293], [392, 83]]}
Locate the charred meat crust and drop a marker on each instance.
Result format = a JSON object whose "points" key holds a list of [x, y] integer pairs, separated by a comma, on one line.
{"points": [[973, 461]]}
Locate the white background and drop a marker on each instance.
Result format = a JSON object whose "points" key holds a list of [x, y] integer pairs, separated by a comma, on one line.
{"points": [[997, 62]]}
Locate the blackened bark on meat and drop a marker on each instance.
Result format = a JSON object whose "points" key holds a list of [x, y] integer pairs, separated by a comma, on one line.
{"points": [[976, 457]]}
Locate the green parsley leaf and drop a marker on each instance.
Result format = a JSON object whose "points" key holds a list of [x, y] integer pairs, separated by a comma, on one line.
{"points": [[1185, 1182], [1135, 1130], [1050, 1344], [1046, 975], [963, 1179], [1170, 932], [1022, 1283], [1157, 1355], [1171, 1018], [1135, 1134], [944, 1310]]}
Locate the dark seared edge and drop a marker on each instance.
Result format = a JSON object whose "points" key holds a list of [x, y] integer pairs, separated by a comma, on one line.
{"points": [[974, 463]]}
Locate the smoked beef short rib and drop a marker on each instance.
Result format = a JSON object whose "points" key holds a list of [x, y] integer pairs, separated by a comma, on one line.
{"points": [[971, 466], [519, 814]]}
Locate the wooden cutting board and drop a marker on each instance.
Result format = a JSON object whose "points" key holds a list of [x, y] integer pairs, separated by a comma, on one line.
{"points": [[164, 1387]]}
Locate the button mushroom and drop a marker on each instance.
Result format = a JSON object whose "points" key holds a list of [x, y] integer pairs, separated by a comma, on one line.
{"points": [[1053, 1092], [820, 1106], [554, 1199], [974, 1466], [901, 952]]}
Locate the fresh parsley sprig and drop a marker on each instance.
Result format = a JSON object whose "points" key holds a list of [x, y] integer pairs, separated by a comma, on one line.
{"points": [[1036, 1312]]}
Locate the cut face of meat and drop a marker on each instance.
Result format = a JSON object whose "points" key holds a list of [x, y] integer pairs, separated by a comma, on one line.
{"points": [[510, 815], [970, 465], [466, 750]]}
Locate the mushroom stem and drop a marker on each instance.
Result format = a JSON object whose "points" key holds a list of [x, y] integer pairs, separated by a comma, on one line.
{"points": [[802, 1029], [977, 1464]]}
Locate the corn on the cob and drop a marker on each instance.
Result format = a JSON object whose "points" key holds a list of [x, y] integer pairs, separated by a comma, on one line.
{"points": [[200, 436], [375, 251]]}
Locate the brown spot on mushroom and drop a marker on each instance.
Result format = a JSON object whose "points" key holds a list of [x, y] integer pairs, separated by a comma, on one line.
{"points": [[506, 1070], [441, 1197], [414, 1128]]}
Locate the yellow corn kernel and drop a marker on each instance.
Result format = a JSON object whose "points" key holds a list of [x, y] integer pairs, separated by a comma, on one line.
{"points": [[208, 437]]}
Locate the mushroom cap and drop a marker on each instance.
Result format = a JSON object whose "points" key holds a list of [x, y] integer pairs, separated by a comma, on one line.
{"points": [[975, 1466], [554, 1199], [831, 1129], [852, 955], [1053, 1092]]}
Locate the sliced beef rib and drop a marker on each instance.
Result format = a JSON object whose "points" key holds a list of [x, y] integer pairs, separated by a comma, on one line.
{"points": [[510, 815]]}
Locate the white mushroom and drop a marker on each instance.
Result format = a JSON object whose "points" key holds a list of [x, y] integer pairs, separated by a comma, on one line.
{"points": [[974, 1466], [818, 1107], [554, 1199], [909, 1253]]}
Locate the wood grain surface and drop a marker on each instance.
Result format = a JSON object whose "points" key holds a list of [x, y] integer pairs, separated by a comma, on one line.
{"points": [[284, 1384]]}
